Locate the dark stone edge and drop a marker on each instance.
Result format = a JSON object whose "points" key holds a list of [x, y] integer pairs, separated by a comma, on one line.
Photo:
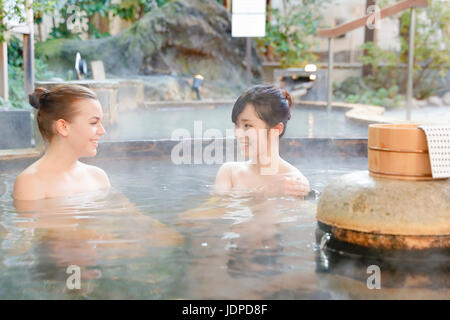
{"points": [[161, 149]]}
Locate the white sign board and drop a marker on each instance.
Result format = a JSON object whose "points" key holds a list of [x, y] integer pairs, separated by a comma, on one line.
{"points": [[248, 25], [248, 18], [249, 6]]}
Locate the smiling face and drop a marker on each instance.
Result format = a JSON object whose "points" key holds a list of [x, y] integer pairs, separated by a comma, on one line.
{"points": [[248, 129], [85, 129]]}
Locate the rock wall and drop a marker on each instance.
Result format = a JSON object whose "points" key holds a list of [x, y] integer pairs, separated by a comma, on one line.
{"points": [[183, 37]]}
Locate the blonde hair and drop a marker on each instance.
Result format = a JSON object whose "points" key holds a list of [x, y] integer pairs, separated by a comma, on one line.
{"points": [[57, 103]]}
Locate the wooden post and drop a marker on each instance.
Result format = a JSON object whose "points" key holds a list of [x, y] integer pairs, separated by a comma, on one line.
{"points": [[4, 93], [409, 88], [28, 66], [28, 63], [28, 52], [227, 4], [248, 60]]}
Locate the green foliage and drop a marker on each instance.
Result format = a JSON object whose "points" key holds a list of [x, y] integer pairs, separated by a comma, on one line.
{"points": [[16, 75], [5, 104], [5, 14], [385, 65], [130, 10], [289, 33], [9, 11], [432, 46], [14, 10], [388, 79], [79, 11], [357, 90], [42, 7], [431, 54]]}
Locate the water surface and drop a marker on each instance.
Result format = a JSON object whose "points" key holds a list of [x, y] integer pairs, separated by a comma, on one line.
{"points": [[162, 235]]}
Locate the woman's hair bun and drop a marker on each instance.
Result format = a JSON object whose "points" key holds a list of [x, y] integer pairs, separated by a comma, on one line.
{"points": [[288, 97], [35, 97]]}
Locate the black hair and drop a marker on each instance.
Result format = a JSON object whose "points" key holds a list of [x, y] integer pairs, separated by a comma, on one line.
{"points": [[272, 104]]}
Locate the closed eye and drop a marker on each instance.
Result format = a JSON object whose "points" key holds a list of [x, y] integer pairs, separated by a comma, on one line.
{"points": [[95, 119]]}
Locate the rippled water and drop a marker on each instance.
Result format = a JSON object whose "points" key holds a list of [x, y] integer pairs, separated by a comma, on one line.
{"points": [[161, 235]]}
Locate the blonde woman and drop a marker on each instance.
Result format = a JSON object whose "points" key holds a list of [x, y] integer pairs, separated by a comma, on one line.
{"points": [[69, 119]]}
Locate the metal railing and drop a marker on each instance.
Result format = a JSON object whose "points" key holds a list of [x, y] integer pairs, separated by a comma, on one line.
{"points": [[361, 22]]}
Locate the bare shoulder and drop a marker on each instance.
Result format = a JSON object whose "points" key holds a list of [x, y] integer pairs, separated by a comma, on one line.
{"points": [[224, 171], [224, 177], [289, 169], [98, 174], [230, 168], [28, 185]]}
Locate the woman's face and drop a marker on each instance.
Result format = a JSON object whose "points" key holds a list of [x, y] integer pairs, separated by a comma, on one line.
{"points": [[249, 129], [86, 128]]}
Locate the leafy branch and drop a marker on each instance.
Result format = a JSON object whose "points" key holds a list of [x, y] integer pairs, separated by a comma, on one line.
{"points": [[290, 32]]}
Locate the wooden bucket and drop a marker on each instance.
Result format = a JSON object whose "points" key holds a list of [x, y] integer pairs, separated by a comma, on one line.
{"points": [[398, 151]]}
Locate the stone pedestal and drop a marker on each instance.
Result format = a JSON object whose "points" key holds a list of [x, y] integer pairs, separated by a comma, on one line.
{"points": [[385, 213]]}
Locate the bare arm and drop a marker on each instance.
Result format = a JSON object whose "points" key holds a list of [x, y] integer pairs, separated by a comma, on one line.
{"points": [[28, 187], [101, 177], [223, 183]]}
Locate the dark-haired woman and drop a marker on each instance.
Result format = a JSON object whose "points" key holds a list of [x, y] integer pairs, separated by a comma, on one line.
{"points": [[69, 119], [260, 116]]}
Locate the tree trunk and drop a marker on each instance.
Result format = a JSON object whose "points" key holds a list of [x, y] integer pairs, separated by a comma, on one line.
{"points": [[40, 31], [141, 11], [103, 23], [100, 23], [270, 54], [227, 4]]}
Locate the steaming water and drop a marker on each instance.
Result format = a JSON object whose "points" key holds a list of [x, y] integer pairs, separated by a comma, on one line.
{"points": [[159, 123], [235, 247]]}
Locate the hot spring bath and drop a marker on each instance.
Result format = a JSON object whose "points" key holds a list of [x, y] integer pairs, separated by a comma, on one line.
{"points": [[235, 247]]}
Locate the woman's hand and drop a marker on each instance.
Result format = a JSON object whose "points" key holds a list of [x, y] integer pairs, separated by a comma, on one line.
{"points": [[291, 186], [296, 186]]}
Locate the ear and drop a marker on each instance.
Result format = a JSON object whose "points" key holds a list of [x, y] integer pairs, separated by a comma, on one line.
{"points": [[62, 127], [279, 127]]}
